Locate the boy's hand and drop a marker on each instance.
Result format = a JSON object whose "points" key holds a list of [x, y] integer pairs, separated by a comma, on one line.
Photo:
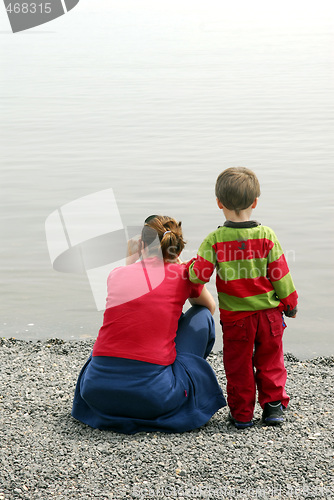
{"points": [[291, 313]]}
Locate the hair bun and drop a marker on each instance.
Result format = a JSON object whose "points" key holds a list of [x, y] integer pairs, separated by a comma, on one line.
{"points": [[161, 225]]}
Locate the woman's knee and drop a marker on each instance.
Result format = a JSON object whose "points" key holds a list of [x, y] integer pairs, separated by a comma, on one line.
{"points": [[196, 331], [202, 311], [203, 318]]}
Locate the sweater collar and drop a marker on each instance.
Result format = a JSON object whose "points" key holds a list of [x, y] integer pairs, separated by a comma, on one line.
{"points": [[245, 224]]}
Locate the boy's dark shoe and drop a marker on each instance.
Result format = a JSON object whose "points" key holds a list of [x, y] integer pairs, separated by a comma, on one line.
{"points": [[239, 425], [273, 413]]}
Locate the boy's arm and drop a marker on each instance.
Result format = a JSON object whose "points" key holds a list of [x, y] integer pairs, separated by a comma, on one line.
{"points": [[280, 277], [201, 267]]}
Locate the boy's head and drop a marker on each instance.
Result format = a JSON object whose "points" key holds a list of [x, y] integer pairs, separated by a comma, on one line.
{"points": [[237, 188]]}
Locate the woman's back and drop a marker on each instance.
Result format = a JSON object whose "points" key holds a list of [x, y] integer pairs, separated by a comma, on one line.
{"points": [[144, 305]]}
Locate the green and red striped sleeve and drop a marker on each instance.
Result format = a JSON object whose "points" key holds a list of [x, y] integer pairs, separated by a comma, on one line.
{"points": [[201, 268], [280, 277]]}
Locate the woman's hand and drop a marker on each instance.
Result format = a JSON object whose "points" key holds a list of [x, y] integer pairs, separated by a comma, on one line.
{"points": [[134, 250]]}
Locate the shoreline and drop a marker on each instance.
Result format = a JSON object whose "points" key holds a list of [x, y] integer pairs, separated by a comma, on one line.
{"points": [[303, 356], [47, 454]]}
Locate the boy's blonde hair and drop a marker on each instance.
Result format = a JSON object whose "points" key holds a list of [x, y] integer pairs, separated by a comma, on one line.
{"points": [[237, 188]]}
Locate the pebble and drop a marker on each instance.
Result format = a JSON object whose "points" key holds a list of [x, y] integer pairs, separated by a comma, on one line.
{"points": [[45, 453]]}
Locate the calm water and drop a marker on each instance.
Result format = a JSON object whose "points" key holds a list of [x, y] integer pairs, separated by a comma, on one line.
{"points": [[154, 101]]}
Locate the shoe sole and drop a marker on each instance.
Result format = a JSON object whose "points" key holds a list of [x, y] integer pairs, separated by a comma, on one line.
{"points": [[240, 425], [273, 421], [243, 426]]}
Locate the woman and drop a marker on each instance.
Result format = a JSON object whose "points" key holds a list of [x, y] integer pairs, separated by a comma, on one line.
{"points": [[147, 371]]}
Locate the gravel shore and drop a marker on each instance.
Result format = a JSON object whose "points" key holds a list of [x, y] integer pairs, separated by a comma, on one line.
{"points": [[47, 454]]}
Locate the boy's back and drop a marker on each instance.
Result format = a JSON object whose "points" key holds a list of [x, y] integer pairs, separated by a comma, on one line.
{"points": [[252, 272]]}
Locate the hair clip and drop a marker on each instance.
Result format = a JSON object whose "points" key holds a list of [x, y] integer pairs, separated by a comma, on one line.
{"points": [[166, 233]]}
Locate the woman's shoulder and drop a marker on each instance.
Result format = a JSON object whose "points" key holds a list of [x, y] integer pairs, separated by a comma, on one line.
{"points": [[177, 271], [123, 272], [180, 274], [175, 267]]}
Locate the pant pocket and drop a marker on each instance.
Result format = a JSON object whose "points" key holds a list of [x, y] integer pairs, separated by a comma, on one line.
{"points": [[235, 331], [276, 322]]}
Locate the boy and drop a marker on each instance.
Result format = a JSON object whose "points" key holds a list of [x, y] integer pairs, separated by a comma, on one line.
{"points": [[254, 288]]}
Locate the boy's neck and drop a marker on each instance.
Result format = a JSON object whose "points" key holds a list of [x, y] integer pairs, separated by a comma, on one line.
{"points": [[242, 216]]}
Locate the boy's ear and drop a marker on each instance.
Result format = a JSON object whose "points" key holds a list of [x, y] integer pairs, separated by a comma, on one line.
{"points": [[255, 202], [219, 203]]}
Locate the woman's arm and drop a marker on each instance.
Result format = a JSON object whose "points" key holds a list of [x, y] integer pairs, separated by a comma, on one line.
{"points": [[205, 299]]}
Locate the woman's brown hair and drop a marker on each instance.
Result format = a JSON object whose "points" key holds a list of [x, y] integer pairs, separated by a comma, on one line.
{"points": [[169, 232]]}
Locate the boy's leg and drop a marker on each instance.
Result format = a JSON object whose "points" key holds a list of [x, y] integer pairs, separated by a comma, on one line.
{"points": [[268, 358], [238, 346], [196, 332]]}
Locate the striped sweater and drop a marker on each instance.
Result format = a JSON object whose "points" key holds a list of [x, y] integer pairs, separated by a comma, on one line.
{"points": [[252, 272]]}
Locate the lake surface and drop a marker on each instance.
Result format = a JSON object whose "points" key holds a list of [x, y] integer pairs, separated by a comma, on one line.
{"points": [[154, 101]]}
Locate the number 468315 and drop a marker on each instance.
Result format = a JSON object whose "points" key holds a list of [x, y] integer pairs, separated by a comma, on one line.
{"points": [[29, 8]]}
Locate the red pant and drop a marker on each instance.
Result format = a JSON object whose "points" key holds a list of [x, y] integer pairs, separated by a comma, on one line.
{"points": [[254, 342]]}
